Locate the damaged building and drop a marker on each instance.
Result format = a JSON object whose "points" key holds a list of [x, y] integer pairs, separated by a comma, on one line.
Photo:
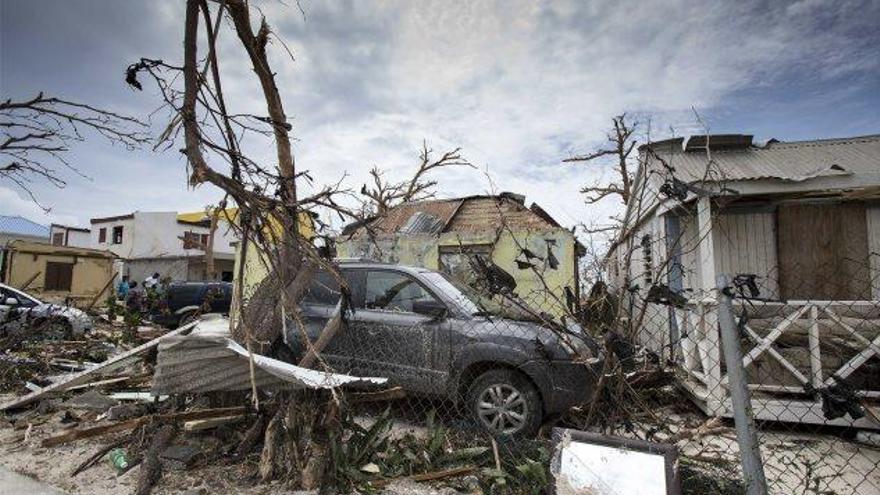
{"points": [[167, 243], [447, 234], [797, 227]]}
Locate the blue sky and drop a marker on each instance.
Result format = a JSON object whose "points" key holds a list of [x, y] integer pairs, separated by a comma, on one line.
{"points": [[518, 85]]}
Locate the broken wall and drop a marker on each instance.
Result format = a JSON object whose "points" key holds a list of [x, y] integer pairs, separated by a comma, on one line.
{"points": [[89, 273]]}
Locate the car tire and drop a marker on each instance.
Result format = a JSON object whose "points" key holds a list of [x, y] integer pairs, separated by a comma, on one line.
{"points": [[505, 403], [55, 329], [187, 318]]}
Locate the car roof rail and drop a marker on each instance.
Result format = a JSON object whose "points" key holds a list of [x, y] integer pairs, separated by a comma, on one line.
{"points": [[360, 259]]}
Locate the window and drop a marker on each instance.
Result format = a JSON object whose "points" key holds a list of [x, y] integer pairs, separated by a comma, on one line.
{"points": [[647, 259], [102, 235], [393, 291], [58, 276], [324, 290], [117, 234], [192, 240], [456, 260], [58, 239], [189, 240]]}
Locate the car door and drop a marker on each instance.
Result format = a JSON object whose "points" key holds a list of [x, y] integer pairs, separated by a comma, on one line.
{"points": [[389, 338], [318, 306]]}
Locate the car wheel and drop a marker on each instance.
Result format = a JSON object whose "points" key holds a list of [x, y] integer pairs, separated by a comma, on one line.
{"points": [[55, 329], [505, 402], [187, 318]]}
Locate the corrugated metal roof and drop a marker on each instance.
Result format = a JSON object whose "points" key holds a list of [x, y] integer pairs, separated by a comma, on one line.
{"points": [[791, 161], [422, 223], [22, 226]]}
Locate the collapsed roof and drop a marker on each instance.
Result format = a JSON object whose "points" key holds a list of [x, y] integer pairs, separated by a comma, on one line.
{"points": [[467, 214]]}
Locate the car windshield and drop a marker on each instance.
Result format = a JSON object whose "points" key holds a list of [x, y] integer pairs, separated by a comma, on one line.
{"points": [[24, 299], [474, 302]]}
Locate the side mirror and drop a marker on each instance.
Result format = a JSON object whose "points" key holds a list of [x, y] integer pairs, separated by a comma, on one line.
{"points": [[11, 301], [433, 308]]}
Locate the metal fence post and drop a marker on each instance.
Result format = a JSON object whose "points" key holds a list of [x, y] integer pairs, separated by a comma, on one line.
{"points": [[746, 433]]}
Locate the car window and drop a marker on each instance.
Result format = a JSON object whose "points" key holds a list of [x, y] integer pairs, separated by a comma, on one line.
{"points": [[393, 291], [23, 300], [323, 290]]}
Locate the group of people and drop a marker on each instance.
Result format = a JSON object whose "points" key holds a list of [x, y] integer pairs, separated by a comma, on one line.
{"points": [[135, 296]]}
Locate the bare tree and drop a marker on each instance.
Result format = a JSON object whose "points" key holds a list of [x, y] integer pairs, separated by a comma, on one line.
{"points": [[270, 212], [622, 146], [382, 194], [37, 134]]}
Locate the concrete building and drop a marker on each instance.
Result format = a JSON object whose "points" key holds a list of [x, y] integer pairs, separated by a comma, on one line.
{"points": [[150, 242], [63, 235], [57, 273], [803, 218], [540, 254], [19, 228]]}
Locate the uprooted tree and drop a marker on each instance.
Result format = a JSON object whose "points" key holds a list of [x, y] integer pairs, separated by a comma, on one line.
{"points": [[37, 133], [270, 211]]}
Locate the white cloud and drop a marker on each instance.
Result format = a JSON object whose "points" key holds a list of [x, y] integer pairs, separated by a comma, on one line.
{"points": [[11, 203], [519, 85]]}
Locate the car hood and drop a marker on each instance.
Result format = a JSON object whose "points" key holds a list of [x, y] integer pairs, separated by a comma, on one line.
{"points": [[528, 332]]}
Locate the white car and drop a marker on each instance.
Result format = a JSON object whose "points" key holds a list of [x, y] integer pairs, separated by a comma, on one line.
{"points": [[23, 313]]}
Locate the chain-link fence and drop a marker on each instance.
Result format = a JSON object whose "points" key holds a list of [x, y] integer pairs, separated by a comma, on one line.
{"points": [[480, 372]]}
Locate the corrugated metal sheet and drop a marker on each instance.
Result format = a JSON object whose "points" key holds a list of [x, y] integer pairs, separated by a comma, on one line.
{"points": [[22, 226], [422, 223], [397, 217], [793, 161], [208, 360]]}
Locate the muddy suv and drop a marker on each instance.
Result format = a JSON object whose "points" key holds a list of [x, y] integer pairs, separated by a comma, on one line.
{"points": [[429, 335]]}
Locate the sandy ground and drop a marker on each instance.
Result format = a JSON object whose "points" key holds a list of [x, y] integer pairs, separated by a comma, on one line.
{"points": [[53, 466]]}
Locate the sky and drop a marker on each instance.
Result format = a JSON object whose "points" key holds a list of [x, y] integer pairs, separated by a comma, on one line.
{"points": [[518, 85]]}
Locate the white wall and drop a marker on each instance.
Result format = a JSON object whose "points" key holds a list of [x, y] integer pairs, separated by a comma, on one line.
{"points": [[873, 213], [157, 235], [746, 243], [124, 249]]}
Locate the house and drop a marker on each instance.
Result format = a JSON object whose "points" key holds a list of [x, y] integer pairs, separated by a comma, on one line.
{"points": [[19, 228], [63, 235], [163, 242], [803, 218], [526, 242], [57, 273]]}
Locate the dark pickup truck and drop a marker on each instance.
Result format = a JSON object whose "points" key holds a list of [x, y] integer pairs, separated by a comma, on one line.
{"points": [[183, 302]]}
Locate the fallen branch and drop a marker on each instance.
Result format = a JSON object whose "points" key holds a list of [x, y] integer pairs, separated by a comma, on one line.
{"points": [[134, 423], [151, 469], [97, 456]]}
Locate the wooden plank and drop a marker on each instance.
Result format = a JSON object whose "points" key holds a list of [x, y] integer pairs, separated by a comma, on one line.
{"points": [[854, 363], [861, 338], [72, 435], [767, 341], [778, 357], [815, 349], [84, 376], [207, 424], [823, 251], [707, 248]]}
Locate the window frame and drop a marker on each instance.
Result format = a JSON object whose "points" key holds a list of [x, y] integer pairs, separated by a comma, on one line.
{"points": [[54, 276], [102, 235], [361, 305], [121, 231]]}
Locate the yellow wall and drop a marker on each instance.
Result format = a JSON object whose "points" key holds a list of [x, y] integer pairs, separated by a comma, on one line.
{"points": [[90, 274], [423, 250], [256, 266]]}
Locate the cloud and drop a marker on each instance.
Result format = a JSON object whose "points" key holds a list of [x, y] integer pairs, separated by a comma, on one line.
{"points": [[519, 85], [11, 203]]}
